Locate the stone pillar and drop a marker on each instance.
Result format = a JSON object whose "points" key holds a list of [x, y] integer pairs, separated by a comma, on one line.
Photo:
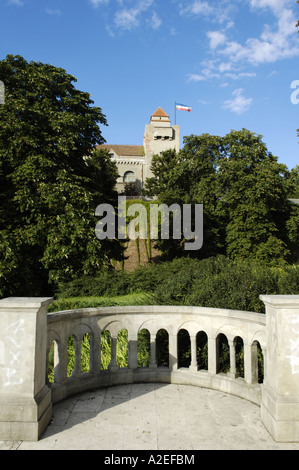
{"points": [[232, 357], [212, 355], [153, 362], [173, 352], [77, 365], [25, 399], [113, 364], [57, 363], [280, 390], [193, 365], [133, 350], [95, 351], [250, 363], [63, 360]]}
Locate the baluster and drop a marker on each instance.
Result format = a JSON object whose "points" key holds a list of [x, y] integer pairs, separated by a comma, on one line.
{"points": [[193, 365], [153, 361], [133, 343], [212, 355], [77, 366], [232, 358], [63, 360], [173, 352], [95, 354], [113, 364], [250, 363], [56, 361]]}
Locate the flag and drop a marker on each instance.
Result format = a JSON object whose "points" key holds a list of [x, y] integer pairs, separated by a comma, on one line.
{"points": [[183, 107]]}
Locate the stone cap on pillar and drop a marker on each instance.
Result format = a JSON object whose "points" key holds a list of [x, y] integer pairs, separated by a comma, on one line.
{"points": [[289, 301], [27, 302]]}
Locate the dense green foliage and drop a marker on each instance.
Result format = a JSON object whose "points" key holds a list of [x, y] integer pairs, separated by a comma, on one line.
{"points": [[244, 191], [216, 282], [70, 303], [48, 188], [295, 189]]}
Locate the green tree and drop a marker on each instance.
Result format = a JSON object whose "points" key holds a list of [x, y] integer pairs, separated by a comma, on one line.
{"points": [[190, 177], [253, 187], [294, 183], [243, 190], [50, 179]]}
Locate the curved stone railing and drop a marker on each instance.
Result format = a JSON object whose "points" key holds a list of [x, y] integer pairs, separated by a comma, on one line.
{"points": [[248, 327], [27, 332]]}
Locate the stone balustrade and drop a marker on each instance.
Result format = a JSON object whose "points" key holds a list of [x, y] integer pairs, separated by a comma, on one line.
{"points": [[28, 332], [249, 327]]}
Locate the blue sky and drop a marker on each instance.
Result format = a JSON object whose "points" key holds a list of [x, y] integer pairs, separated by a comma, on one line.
{"points": [[233, 61]]}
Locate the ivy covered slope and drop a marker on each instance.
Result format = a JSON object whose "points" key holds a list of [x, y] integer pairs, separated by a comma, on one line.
{"points": [[50, 181]]}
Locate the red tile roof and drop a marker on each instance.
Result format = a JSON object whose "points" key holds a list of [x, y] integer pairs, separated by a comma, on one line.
{"points": [[160, 113], [125, 150]]}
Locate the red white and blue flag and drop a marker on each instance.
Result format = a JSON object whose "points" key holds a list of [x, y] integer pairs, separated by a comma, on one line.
{"points": [[183, 107]]}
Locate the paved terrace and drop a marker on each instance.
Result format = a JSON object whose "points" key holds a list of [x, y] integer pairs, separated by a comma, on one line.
{"points": [[154, 417]]}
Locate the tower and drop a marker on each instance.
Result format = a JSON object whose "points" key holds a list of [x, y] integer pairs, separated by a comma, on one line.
{"points": [[134, 161], [159, 136]]}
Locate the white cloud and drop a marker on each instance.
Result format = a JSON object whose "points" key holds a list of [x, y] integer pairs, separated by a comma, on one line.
{"points": [[275, 5], [238, 104], [51, 12], [237, 76], [209, 71], [155, 21], [19, 3], [225, 67], [273, 44], [231, 57], [196, 77], [217, 69], [126, 19], [129, 18], [216, 38], [129, 14], [197, 8], [96, 3], [217, 11]]}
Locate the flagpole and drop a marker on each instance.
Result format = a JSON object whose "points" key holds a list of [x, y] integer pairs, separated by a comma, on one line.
{"points": [[175, 113]]}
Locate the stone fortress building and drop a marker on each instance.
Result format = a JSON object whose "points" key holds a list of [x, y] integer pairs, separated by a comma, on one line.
{"points": [[134, 161]]}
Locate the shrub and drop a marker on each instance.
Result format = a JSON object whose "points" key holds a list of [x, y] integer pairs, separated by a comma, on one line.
{"points": [[70, 303], [213, 282]]}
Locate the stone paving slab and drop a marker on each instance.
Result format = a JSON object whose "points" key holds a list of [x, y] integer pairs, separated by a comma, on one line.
{"points": [[154, 417]]}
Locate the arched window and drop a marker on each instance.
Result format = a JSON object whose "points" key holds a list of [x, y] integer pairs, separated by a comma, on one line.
{"points": [[239, 348], [53, 362], [223, 355], [162, 345], [259, 362], [105, 349], [85, 353], [143, 348], [70, 355], [122, 348], [129, 177], [184, 348], [202, 350]]}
